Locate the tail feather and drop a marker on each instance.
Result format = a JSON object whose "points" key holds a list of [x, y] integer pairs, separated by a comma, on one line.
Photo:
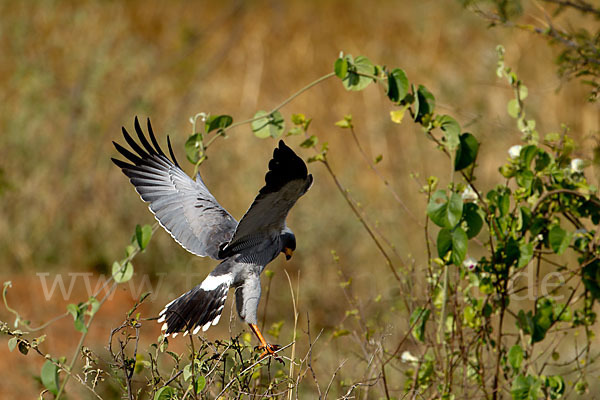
{"points": [[201, 307]]}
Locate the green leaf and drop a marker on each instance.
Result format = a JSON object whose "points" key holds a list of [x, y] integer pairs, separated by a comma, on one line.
{"points": [[459, 246], [200, 384], [451, 130], [122, 274], [218, 122], [527, 154], [310, 142], [80, 323], [526, 388], [187, 372], [542, 160], [341, 67], [513, 108], [437, 208], [525, 254], [192, 147], [556, 384], [542, 320], [589, 276], [94, 305], [12, 343], [73, 310], [78, 316], [424, 104], [455, 209], [467, 151], [444, 242], [143, 235], [398, 85], [525, 179], [523, 92], [504, 204], [418, 319], [559, 239], [270, 125], [473, 219], [354, 80], [515, 357], [443, 212], [49, 376], [165, 393]]}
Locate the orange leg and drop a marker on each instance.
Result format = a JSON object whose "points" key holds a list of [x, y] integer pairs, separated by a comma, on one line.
{"points": [[269, 349]]}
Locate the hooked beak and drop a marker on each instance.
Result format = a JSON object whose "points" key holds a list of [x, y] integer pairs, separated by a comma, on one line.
{"points": [[288, 253]]}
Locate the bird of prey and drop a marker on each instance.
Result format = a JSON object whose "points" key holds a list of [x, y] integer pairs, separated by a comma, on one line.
{"points": [[188, 211]]}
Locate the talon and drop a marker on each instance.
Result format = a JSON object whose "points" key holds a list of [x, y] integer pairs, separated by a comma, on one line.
{"points": [[268, 349]]}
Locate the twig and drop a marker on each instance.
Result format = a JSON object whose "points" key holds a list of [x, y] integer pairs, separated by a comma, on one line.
{"points": [[333, 377], [291, 374], [350, 202]]}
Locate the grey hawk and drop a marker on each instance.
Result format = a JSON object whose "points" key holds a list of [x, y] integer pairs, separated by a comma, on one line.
{"points": [[188, 211]]}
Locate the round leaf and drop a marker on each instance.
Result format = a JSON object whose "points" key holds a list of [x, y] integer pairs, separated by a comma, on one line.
{"points": [[473, 219], [459, 246], [397, 85], [200, 384], [12, 343], [424, 104], [341, 68], [122, 274], [192, 147], [418, 319], [513, 108], [455, 209], [451, 130], [354, 80], [559, 239], [444, 242], [143, 235], [515, 357], [260, 127], [165, 393], [443, 212], [467, 151], [437, 208], [218, 122], [49, 376]]}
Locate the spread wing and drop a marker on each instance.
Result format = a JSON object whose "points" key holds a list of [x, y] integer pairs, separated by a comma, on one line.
{"points": [[184, 207], [285, 182]]}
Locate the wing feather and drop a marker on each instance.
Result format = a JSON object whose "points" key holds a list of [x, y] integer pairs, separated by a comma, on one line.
{"points": [[183, 207], [285, 182]]}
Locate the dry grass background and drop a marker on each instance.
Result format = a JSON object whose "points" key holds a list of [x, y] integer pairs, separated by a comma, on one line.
{"points": [[73, 72]]}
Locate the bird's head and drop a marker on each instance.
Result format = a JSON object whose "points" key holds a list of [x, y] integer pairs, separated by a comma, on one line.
{"points": [[288, 243]]}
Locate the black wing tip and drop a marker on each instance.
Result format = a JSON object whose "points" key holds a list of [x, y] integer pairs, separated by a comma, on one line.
{"points": [[285, 166], [145, 151]]}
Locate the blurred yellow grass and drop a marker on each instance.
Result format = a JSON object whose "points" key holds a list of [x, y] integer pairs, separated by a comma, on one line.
{"points": [[72, 73]]}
